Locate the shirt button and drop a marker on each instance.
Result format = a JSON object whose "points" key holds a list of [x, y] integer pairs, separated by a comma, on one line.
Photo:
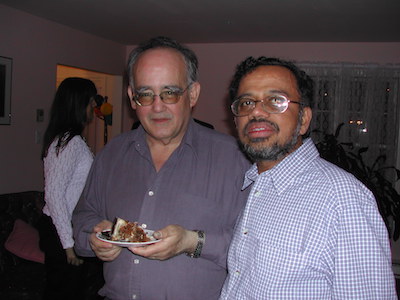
{"points": [[245, 231], [143, 226], [136, 261], [237, 272], [134, 296], [151, 193], [257, 193]]}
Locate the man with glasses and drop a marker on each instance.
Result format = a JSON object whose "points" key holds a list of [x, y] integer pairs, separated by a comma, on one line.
{"points": [[309, 230], [170, 174]]}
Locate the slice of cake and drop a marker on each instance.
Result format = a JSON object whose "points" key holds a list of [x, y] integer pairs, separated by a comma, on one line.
{"points": [[126, 231]]}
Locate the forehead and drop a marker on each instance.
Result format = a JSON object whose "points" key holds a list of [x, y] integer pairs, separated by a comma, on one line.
{"points": [[268, 78], [165, 58]]}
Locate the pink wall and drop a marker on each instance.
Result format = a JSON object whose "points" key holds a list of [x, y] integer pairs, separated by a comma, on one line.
{"points": [[218, 61], [36, 47]]}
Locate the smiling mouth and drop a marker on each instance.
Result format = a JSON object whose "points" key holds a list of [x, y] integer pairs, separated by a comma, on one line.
{"points": [[260, 130]]}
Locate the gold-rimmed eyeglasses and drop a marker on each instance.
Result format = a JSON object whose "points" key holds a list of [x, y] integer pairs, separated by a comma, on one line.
{"points": [[169, 96], [274, 104]]}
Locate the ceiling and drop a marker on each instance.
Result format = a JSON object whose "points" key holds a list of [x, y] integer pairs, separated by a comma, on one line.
{"points": [[221, 21]]}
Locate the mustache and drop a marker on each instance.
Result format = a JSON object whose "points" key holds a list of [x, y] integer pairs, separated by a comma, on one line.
{"points": [[161, 116], [253, 121]]}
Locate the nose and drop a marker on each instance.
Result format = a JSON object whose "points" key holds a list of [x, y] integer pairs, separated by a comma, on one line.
{"points": [[259, 109], [158, 105]]}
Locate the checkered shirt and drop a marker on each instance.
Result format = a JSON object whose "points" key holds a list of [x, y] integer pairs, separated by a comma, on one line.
{"points": [[309, 231]]}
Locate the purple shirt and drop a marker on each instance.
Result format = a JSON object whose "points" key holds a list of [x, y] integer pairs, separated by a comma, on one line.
{"points": [[199, 187]]}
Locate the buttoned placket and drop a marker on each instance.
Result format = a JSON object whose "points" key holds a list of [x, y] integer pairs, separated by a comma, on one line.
{"points": [[254, 196]]}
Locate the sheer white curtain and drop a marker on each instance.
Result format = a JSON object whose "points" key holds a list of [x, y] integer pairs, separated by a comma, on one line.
{"points": [[363, 97]]}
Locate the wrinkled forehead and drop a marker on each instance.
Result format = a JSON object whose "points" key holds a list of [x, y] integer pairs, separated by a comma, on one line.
{"points": [[269, 78], [161, 66], [162, 57]]}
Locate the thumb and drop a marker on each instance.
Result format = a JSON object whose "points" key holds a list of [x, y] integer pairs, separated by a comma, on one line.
{"points": [[157, 235]]}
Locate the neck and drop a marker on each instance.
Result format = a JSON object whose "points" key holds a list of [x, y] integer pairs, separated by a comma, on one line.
{"points": [[265, 165], [161, 150]]}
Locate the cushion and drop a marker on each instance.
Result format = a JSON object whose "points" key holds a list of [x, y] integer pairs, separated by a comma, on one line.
{"points": [[23, 241]]}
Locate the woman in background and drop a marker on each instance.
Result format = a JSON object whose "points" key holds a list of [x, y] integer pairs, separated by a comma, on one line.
{"points": [[67, 161]]}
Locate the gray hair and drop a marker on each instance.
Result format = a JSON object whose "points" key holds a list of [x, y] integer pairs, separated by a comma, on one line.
{"points": [[165, 42]]}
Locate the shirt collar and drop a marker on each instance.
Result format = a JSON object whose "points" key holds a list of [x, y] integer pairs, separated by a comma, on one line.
{"points": [[190, 138], [286, 171]]}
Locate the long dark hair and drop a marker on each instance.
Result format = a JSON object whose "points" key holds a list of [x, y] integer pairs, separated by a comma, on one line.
{"points": [[68, 115]]}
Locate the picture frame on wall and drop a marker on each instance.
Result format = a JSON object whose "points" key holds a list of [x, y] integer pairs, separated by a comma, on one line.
{"points": [[5, 90]]}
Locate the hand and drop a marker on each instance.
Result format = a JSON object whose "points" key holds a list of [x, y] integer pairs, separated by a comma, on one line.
{"points": [[103, 250], [72, 258], [175, 240]]}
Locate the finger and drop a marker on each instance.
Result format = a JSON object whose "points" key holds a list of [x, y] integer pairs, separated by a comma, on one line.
{"points": [[158, 235], [96, 243], [150, 250], [103, 225], [110, 254]]}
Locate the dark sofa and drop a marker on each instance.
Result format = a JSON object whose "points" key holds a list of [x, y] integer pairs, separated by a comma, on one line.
{"points": [[19, 278], [22, 278]]}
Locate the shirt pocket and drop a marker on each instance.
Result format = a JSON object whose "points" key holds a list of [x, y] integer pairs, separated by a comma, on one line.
{"points": [[277, 262], [286, 271]]}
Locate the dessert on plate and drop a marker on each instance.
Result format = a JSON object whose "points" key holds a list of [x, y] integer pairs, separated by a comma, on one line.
{"points": [[126, 231]]}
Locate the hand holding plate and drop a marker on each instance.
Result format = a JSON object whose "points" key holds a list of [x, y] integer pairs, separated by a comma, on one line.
{"points": [[103, 250], [175, 240]]}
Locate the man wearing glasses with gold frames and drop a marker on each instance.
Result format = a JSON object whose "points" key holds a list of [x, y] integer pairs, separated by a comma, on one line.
{"points": [[309, 230], [170, 170]]}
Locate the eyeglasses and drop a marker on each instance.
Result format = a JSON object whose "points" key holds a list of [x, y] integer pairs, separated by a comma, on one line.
{"points": [[168, 97], [275, 104]]}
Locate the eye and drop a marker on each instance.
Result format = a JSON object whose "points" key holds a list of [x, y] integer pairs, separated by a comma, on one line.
{"points": [[169, 93], [145, 95], [246, 102], [277, 100]]}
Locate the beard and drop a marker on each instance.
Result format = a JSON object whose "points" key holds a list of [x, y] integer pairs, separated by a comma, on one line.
{"points": [[274, 152]]}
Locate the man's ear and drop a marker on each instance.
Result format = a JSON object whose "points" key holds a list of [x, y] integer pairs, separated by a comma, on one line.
{"points": [[306, 120], [130, 95], [194, 93]]}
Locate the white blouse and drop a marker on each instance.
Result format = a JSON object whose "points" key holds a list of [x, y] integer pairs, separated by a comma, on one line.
{"points": [[65, 177]]}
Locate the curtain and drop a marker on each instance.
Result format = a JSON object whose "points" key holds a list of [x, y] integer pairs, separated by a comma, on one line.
{"points": [[363, 97]]}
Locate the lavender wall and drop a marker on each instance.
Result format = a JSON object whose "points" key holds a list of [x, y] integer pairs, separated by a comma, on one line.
{"points": [[36, 47], [218, 61]]}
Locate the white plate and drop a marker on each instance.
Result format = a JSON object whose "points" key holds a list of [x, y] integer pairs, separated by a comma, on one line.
{"points": [[102, 236]]}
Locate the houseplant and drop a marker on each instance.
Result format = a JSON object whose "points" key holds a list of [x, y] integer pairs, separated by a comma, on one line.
{"points": [[374, 177]]}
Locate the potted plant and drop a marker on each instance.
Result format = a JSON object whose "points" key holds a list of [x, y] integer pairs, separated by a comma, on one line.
{"points": [[374, 177]]}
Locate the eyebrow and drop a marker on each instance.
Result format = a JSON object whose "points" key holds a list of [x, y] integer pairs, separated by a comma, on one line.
{"points": [[169, 87], [271, 92], [280, 92]]}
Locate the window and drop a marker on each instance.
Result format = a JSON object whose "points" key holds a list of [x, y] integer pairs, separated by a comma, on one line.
{"points": [[363, 97]]}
